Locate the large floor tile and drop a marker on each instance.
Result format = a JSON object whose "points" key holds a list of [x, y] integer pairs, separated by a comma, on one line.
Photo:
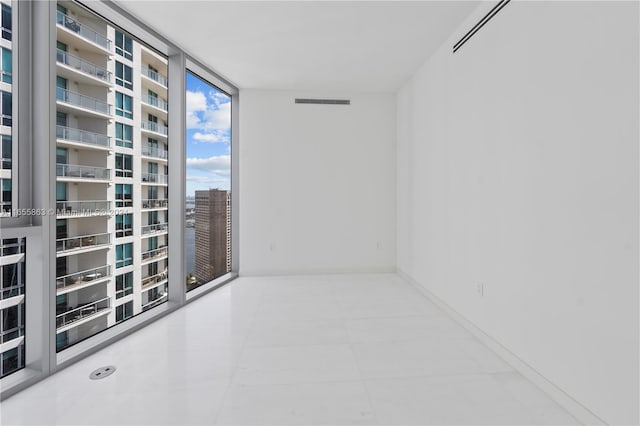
{"points": [[296, 364], [450, 400], [335, 403], [412, 358], [285, 332], [404, 328]]}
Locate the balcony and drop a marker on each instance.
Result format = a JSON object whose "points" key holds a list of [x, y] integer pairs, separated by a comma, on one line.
{"points": [[154, 203], [158, 253], [155, 152], [153, 127], [86, 69], [154, 228], [75, 172], [83, 104], [83, 243], [83, 279], [83, 312], [155, 102], [154, 179], [155, 302], [155, 76], [83, 208], [82, 137], [82, 31], [6, 163], [151, 280]]}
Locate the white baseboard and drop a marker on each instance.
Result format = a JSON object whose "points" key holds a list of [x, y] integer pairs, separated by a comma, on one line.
{"points": [[577, 410]]}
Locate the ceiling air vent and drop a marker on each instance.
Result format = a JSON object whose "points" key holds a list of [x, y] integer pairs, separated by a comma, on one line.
{"points": [[323, 101], [497, 8]]}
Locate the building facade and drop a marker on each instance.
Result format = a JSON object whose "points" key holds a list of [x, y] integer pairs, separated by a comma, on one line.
{"points": [[212, 234], [112, 175]]}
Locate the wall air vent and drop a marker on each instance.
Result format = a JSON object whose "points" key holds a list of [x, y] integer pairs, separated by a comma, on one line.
{"points": [[323, 101], [497, 8]]}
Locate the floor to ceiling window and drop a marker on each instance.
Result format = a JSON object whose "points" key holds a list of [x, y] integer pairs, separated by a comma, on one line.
{"points": [[208, 186]]}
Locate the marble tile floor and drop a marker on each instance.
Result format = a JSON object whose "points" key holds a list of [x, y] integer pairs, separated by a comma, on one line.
{"points": [[309, 350]]}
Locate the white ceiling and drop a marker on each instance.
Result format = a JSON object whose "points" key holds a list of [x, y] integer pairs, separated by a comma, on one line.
{"points": [[310, 45]]}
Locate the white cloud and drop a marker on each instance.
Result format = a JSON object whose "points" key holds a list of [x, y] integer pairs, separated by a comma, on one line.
{"points": [[214, 137], [196, 101], [208, 113], [218, 165]]}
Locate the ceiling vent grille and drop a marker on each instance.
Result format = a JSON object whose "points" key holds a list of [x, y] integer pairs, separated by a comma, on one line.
{"points": [[323, 101], [493, 12]]}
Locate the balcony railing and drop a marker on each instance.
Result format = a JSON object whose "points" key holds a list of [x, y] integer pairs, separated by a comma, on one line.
{"points": [[83, 30], [83, 66], [6, 163], [155, 302], [152, 151], [154, 279], [155, 178], [83, 207], [156, 102], [85, 241], [83, 277], [82, 101], [154, 127], [154, 204], [156, 227], [155, 76], [155, 253], [12, 291], [82, 136], [82, 312], [82, 172]]}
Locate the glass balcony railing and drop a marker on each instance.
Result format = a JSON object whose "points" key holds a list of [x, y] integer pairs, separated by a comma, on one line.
{"points": [[82, 312], [155, 253], [82, 242], [6, 163], [154, 279], [83, 207], [155, 302], [83, 30], [156, 227], [152, 151], [83, 277], [82, 172], [154, 127], [83, 66], [156, 102], [155, 178], [12, 291], [82, 136], [82, 101], [154, 203], [155, 76]]}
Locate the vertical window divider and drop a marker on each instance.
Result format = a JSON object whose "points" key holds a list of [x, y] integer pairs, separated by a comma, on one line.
{"points": [[177, 177]]}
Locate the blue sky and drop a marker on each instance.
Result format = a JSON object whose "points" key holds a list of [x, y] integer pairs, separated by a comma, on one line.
{"points": [[208, 136]]}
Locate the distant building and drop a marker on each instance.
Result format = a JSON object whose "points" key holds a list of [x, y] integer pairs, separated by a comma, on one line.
{"points": [[212, 234]]}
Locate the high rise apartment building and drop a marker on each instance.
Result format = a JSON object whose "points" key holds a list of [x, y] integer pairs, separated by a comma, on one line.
{"points": [[212, 234], [111, 168], [12, 294]]}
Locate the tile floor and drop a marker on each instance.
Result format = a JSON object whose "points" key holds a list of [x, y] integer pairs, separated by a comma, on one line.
{"points": [[333, 350]]}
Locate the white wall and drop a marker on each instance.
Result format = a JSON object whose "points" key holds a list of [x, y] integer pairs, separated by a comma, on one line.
{"points": [[317, 183], [518, 169]]}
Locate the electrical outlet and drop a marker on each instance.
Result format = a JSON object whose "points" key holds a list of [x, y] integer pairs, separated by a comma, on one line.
{"points": [[480, 289]]}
